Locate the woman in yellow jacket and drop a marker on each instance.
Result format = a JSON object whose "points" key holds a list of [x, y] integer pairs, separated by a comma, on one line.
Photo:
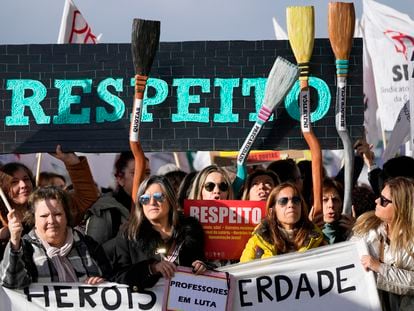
{"points": [[286, 228]]}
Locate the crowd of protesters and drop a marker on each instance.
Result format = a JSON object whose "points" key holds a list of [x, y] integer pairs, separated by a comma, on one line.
{"points": [[52, 232]]}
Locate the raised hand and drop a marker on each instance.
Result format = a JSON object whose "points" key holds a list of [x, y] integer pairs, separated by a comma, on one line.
{"points": [[69, 158], [15, 228]]}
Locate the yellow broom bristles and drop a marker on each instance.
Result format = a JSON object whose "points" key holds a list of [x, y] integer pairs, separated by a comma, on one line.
{"points": [[341, 25], [301, 31]]}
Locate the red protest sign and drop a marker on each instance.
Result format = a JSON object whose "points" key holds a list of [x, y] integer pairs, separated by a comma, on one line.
{"points": [[228, 224]]}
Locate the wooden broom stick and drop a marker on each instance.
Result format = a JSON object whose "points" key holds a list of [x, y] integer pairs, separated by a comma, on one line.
{"points": [[341, 24], [300, 26], [144, 44]]}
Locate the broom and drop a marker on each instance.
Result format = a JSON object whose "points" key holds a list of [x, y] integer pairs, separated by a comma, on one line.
{"points": [[300, 26], [341, 24], [144, 44], [281, 78]]}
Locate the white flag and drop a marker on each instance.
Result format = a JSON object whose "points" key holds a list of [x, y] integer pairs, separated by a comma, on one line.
{"points": [[387, 34], [280, 33], [399, 135], [74, 28]]}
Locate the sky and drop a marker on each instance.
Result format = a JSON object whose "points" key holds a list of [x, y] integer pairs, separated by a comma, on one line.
{"points": [[38, 21]]}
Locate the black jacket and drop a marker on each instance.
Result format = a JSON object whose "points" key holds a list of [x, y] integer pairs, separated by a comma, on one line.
{"points": [[133, 257]]}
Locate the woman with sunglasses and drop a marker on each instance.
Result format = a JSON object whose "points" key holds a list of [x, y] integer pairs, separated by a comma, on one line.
{"points": [[211, 183], [157, 238], [286, 229], [388, 232]]}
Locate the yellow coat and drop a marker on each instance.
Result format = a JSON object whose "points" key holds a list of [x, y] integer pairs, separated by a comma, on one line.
{"points": [[258, 247]]}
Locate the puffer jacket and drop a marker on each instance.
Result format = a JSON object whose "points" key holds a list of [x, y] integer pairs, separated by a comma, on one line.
{"points": [[259, 245], [397, 283]]}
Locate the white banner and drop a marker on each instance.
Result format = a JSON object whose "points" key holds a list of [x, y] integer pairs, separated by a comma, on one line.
{"points": [[325, 278], [387, 35], [73, 27]]}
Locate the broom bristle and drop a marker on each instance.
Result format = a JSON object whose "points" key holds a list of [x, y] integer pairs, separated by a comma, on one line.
{"points": [[301, 29], [144, 44], [341, 25], [281, 78]]}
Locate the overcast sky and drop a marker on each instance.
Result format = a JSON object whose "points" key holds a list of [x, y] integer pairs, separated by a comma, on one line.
{"points": [[38, 21]]}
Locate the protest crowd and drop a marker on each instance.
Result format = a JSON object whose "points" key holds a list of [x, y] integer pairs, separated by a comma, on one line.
{"points": [[77, 233], [141, 230]]}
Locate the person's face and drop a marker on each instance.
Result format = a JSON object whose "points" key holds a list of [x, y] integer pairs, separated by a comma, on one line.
{"points": [[287, 208], [156, 208], [260, 188], [58, 182], [50, 222], [215, 187], [126, 181], [21, 187], [332, 205], [385, 211]]}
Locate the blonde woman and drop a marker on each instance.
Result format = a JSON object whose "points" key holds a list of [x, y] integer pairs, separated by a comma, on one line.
{"points": [[211, 183], [389, 232]]}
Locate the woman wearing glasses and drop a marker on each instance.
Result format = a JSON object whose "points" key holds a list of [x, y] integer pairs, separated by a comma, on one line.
{"points": [[388, 232], [157, 238], [286, 229], [211, 183]]}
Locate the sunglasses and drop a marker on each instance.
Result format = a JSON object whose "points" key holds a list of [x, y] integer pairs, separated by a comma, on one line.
{"points": [[384, 201], [146, 198], [284, 201], [209, 186]]}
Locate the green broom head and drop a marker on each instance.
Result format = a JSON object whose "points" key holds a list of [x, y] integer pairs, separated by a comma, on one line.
{"points": [[301, 32], [144, 44], [341, 25]]}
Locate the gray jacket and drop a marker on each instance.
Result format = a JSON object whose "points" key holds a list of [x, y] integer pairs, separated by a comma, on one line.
{"points": [[99, 222], [31, 264]]}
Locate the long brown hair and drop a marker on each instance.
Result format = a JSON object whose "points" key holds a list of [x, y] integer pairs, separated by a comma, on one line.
{"points": [[137, 218], [6, 177], [304, 226]]}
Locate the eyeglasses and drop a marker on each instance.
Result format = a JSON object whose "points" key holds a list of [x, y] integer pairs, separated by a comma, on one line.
{"points": [[284, 201], [384, 201], [146, 198], [209, 186]]}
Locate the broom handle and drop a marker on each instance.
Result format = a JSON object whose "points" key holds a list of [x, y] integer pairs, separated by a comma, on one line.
{"points": [[314, 147], [340, 122], [134, 143]]}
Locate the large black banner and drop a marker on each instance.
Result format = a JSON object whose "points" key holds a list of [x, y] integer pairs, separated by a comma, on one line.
{"points": [[202, 95]]}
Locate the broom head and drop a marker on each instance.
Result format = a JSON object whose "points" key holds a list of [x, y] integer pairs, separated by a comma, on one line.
{"points": [[301, 31], [281, 78], [144, 44], [341, 25]]}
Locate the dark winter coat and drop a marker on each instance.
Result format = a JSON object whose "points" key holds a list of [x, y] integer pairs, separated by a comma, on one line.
{"points": [[133, 257]]}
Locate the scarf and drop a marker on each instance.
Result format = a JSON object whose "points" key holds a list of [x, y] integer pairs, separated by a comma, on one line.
{"points": [[64, 268]]}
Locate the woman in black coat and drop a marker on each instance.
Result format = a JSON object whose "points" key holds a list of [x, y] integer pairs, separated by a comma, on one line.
{"points": [[157, 239]]}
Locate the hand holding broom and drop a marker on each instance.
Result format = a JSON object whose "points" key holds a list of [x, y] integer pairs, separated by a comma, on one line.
{"points": [[300, 26], [281, 78], [341, 24], [144, 44]]}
